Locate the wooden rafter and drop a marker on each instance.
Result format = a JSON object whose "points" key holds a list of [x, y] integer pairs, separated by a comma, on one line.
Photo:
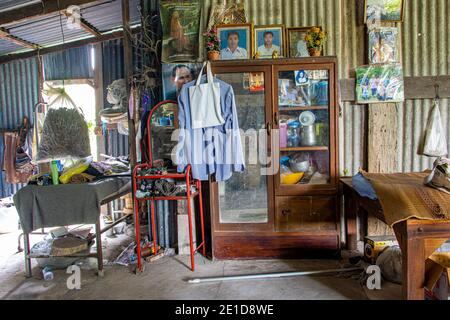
{"points": [[85, 25], [38, 9], [4, 34], [104, 37]]}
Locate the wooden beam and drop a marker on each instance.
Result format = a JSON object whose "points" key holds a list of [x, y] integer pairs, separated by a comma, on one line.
{"points": [[38, 9], [104, 37], [4, 34], [415, 88], [86, 26]]}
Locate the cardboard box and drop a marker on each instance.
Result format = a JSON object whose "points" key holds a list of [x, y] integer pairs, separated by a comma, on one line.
{"points": [[374, 245], [437, 276]]}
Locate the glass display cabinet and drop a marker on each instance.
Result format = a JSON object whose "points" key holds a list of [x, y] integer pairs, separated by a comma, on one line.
{"points": [[285, 203]]}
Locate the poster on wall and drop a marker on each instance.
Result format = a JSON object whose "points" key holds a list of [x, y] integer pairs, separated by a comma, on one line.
{"points": [[385, 10], [180, 22], [383, 45], [379, 84], [175, 75]]}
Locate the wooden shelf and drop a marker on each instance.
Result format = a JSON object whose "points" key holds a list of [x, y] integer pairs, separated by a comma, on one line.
{"points": [[303, 108], [318, 148]]}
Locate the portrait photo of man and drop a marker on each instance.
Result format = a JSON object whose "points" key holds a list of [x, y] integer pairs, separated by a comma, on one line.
{"points": [[267, 49], [269, 40], [234, 42], [177, 75]]}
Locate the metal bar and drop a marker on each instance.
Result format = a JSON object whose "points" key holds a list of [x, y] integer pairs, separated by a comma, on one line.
{"points": [[137, 228], [44, 256], [272, 275], [152, 206], [26, 253], [99, 247], [113, 224], [188, 197], [200, 200]]}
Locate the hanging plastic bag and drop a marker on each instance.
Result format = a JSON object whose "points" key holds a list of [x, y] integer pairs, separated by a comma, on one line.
{"points": [[228, 12], [65, 132], [435, 143], [205, 101]]}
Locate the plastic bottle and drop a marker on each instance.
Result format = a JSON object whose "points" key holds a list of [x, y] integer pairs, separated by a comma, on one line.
{"points": [[283, 134], [55, 173], [47, 274]]}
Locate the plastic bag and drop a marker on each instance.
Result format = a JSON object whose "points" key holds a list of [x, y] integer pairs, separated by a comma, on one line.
{"points": [[439, 178], [231, 12], [65, 131], [435, 143], [390, 263]]}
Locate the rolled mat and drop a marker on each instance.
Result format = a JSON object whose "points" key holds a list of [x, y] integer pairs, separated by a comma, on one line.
{"points": [[81, 178]]}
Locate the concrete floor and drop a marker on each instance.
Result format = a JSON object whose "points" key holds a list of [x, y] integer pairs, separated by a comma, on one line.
{"points": [[166, 279]]}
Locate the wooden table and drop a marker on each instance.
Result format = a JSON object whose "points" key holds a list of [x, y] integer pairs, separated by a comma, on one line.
{"points": [[417, 239]]}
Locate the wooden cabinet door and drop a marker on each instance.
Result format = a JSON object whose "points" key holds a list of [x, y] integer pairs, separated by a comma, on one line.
{"points": [[245, 201], [304, 214], [305, 116]]}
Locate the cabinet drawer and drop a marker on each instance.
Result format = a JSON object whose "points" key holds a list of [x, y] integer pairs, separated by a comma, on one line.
{"points": [[296, 214]]}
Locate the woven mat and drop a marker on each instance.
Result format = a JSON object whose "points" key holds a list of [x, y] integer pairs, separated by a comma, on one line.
{"points": [[404, 196]]}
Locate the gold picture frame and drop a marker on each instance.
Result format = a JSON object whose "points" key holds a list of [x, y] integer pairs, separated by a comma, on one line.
{"points": [[293, 48], [235, 28], [401, 14], [278, 32]]}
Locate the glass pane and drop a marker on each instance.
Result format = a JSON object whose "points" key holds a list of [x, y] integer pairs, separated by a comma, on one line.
{"points": [[162, 124], [304, 123], [243, 198]]}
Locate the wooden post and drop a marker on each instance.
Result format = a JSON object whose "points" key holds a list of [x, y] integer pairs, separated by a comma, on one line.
{"points": [[98, 83], [128, 66], [382, 144], [382, 138]]}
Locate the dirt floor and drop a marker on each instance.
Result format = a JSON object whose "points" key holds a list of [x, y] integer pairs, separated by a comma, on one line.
{"points": [[167, 279]]}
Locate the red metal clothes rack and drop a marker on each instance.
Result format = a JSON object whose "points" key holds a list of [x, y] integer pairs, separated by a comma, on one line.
{"points": [[190, 182]]}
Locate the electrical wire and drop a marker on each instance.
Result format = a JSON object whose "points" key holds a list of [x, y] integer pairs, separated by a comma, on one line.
{"points": [[62, 32]]}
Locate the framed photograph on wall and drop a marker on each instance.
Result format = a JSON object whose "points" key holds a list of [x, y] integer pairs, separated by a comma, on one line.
{"points": [[268, 39], [379, 83], [389, 10], [235, 41], [181, 29], [296, 43], [175, 75], [383, 45]]}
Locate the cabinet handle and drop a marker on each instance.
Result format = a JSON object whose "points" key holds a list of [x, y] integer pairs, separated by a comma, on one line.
{"points": [[285, 212], [276, 118], [269, 128]]}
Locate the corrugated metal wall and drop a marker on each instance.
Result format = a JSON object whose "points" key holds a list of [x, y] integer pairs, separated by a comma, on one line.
{"points": [[73, 63], [426, 52], [18, 95], [113, 69], [426, 45]]}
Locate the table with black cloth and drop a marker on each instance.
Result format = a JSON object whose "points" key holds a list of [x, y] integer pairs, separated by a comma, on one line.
{"points": [[67, 204]]}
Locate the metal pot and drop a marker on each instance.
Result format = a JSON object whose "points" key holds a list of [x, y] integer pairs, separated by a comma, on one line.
{"points": [[308, 136]]}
